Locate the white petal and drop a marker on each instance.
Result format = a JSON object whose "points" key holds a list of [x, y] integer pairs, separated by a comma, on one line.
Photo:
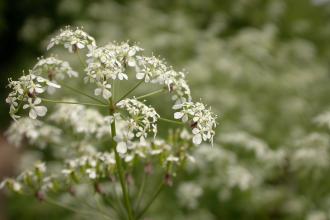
{"points": [[80, 45], [121, 148], [195, 131], [178, 115], [140, 75], [50, 45], [177, 106], [106, 94], [53, 85], [131, 62], [33, 113], [185, 118], [39, 90], [98, 91], [195, 118], [131, 52], [41, 110], [129, 158], [25, 106], [197, 139], [37, 101]]}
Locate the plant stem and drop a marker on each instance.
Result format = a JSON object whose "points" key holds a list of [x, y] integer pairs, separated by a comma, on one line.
{"points": [[82, 93], [150, 94], [78, 211], [80, 59], [171, 121], [119, 166], [159, 189], [74, 103], [139, 196], [131, 90]]}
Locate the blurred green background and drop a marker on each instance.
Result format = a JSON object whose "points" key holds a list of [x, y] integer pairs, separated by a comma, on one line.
{"points": [[263, 66]]}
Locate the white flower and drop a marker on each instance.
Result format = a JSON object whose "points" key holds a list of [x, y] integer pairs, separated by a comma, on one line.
{"points": [[176, 84], [149, 68], [53, 68], [104, 90], [189, 194], [82, 120], [73, 40], [323, 119], [109, 63], [40, 167], [121, 147], [35, 110], [11, 184], [142, 119], [24, 89], [91, 173], [34, 131], [202, 120]]}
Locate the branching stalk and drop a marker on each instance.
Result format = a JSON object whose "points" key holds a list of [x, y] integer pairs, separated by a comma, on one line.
{"points": [[155, 195], [171, 121], [131, 90], [80, 59], [78, 211], [73, 103], [150, 94], [139, 196], [120, 167], [82, 93]]}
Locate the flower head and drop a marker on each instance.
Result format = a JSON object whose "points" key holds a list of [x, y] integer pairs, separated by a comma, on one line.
{"points": [[53, 69], [73, 40], [149, 68], [26, 90], [142, 118], [201, 119]]}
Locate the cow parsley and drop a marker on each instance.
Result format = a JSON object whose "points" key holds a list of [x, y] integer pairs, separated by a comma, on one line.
{"points": [[102, 140]]}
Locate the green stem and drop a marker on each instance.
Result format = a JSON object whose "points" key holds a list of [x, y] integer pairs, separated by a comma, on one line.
{"points": [[150, 94], [78, 211], [131, 90], [155, 195], [100, 208], [119, 166], [80, 59], [82, 93], [139, 196], [171, 121], [73, 103]]}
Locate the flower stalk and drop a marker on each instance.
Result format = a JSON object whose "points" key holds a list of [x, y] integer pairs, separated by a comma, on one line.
{"points": [[120, 170]]}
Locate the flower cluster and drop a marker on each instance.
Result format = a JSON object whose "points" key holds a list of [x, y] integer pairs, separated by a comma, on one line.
{"points": [[177, 85], [53, 68], [26, 90], [34, 131], [82, 120], [94, 166], [154, 70], [142, 119], [73, 40], [149, 68], [109, 63], [202, 120], [323, 119]]}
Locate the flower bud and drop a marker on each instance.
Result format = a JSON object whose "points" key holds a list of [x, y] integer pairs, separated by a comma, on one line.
{"points": [[168, 179], [148, 168]]}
